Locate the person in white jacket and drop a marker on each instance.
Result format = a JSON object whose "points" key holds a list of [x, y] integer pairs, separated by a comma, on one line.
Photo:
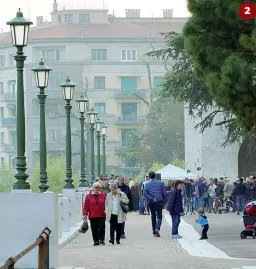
{"points": [[114, 212]]}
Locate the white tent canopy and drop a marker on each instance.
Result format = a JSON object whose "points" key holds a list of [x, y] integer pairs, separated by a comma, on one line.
{"points": [[171, 172]]}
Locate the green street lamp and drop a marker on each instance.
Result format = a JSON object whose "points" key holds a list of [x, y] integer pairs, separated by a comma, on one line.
{"points": [[68, 91], [42, 77], [19, 31], [92, 118], [104, 135], [82, 108], [99, 123]]}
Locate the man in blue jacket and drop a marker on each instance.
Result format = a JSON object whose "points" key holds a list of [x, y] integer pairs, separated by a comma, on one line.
{"points": [[155, 194]]}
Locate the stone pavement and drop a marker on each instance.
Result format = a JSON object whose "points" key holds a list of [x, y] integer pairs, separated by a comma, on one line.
{"points": [[139, 250], [224, 234]]}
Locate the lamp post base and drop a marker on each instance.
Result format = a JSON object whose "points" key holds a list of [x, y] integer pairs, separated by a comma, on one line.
{"points": [[21, 175]]}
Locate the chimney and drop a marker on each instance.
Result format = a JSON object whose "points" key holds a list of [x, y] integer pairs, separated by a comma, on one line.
{"points": [[55, 6], [39, 20], [168, 13], [132, 13]]}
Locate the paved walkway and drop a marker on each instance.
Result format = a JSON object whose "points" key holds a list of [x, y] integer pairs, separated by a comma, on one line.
{"points": [[224, 234], [139, 250]]}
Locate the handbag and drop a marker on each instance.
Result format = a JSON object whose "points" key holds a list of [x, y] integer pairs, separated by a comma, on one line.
{"points": [[124, 207], [84, 227]]}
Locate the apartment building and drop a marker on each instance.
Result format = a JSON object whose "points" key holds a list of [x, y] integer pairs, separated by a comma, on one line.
{"points": [[105, 56]]}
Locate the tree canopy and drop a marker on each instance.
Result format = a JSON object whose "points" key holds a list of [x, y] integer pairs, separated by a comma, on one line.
{"points": [[183, 85], [222, 48], [163, 135]]}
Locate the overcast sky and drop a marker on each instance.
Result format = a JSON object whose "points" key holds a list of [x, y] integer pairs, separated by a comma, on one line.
{"points": [[34, 8]]}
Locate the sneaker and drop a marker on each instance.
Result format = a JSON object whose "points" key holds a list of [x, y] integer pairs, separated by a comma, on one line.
{"points": [[123, 237], [157, 233], [111, 242], [174, 237], [96, 244], [178, 236], [102, 242]]}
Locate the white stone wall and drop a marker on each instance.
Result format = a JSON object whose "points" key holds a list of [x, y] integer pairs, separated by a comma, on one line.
{"points": [[206, 150]]}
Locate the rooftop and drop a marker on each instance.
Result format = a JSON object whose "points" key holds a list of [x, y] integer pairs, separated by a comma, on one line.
{"points": [[114, 29]]}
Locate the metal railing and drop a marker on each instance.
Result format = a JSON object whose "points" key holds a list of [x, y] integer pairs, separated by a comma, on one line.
{"points": [[43, 254]]}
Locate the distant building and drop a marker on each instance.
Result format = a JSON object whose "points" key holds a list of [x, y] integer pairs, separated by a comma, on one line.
{"points": [[104, 56]]}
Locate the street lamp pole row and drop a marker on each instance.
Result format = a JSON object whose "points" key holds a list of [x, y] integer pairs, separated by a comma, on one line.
{"points": [[19, 31]]}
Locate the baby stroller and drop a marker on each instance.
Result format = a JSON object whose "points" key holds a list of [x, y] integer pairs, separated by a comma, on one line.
{"points": [[249, 219]]}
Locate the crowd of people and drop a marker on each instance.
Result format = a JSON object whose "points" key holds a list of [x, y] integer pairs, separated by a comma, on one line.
{"points": [[111, 199], [201, 192]]}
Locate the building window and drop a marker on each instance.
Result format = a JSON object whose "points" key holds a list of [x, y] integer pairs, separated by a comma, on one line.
{"points": [[55, 79], [84, 18], [1, 88], [2, 162], [157, 81], [13, 137], [51, 55], [2, 112], [53, 135], [129, 55], [68, 17], [100, 108], [127, 137], [12, 87], [2, 137], [2, 60], [12, 161], [12, 108], [99, 54], [60, 18], [11, 59], [99, 82], [128, 84], [129, 112]]}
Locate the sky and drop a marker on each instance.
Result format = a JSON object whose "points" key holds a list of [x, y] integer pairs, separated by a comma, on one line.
{"points": [[33, 8]]}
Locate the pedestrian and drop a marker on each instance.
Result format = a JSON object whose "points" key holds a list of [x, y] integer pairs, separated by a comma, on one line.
{"points": [[174, 206], [203, 221], [125, 189], [115, 214], [135, 196], [211, 195], [240, 195], [155, 194], [146, 205], [94, 209], [141, 198]]}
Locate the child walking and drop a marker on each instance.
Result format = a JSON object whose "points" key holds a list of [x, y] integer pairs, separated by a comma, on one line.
{"points": [[203, 221]]}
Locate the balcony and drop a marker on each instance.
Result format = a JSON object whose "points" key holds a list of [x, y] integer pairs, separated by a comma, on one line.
{"points": [[131, 119], [7, 122], [6, 97], [8, 148], [129, 95]]}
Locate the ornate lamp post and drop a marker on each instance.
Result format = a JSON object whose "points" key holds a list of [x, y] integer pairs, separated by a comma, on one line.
{"points": [[92, 117], [19, 31], [68, 91], [104, 135], [82, 108], [99, 124], [42, 77]]}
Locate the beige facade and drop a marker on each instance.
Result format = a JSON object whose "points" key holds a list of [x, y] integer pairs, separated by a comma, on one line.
{"points": [[105, 58]]}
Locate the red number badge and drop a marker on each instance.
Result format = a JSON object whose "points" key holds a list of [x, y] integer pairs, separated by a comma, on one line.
{"points": [[247, 11]]}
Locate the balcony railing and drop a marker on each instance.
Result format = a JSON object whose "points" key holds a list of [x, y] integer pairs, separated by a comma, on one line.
{"points": [[7, 97], [8, 147], [6, 122], [131, 119], [120, 94]]}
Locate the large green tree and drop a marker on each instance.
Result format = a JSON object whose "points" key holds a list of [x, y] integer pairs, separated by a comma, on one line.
{"points": [[163, 136], [222, 48], [183, 85]]}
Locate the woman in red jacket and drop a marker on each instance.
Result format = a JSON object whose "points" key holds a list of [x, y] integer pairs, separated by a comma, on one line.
{"points": [[94, 209]]}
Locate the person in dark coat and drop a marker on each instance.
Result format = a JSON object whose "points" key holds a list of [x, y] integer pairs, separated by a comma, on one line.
{"points": [[135, 191], [174, 206], [125, 189]]}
